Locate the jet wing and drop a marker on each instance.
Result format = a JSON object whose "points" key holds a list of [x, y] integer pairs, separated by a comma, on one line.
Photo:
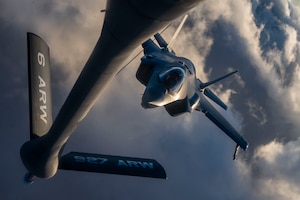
{"points": [[221, 122], [78, 161]]}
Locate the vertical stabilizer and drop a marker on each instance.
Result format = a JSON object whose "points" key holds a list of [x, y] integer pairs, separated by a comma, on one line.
{"points": [[39, 86]]}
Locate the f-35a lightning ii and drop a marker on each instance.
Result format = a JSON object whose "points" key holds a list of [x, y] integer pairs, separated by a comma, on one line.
{"points": [[171, 82]]}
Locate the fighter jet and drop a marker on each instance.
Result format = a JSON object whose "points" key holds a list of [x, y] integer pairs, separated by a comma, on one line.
{"points": [[171, 82]]}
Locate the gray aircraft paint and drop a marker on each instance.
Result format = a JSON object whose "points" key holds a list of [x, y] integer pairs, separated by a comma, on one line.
{"points": [[39, 86], [183, 92]]}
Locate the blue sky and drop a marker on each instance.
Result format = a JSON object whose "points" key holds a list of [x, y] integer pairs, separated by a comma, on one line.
{"points": [[259, 38]]}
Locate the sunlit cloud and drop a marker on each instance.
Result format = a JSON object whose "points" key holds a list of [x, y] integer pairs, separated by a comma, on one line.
{"points": [[278, 177]]}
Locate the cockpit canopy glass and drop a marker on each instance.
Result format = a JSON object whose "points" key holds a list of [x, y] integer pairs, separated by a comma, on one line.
{"points": [[172, 78]]}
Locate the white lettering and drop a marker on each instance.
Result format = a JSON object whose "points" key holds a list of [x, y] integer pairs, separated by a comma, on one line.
{"points": [[43, 99], [91, 160], [146, 164], [42, 83], [79, 158], [41, 59], [102, 160], [130, 163], [94, 160], [43, 116], [122, 163], [43, 96]]}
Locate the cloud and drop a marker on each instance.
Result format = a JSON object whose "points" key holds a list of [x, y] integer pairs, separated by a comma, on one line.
{"points": [[264, 45], [259, 38], [276, 165]]}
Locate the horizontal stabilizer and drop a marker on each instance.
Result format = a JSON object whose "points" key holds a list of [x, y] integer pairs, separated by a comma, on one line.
{"points": [[204, 85], [39, 86], [112, 165], [214, 97]]}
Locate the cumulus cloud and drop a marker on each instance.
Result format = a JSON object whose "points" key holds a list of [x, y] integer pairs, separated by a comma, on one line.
{"points": [[262, 43], [261, 39], [277, 167]]}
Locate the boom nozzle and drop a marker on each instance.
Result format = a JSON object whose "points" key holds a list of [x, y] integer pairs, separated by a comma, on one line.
{"points": [[236, 150], [41, 157]]}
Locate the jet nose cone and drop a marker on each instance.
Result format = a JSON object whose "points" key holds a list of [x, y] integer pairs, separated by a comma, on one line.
{"points": [[154, 97]]}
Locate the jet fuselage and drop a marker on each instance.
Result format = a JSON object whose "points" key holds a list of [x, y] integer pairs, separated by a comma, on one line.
{"points": [[170, 80]]}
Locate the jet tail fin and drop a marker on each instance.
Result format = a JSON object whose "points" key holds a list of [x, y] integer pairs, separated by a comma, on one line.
{"points": [[39, 81], [160, 40], [163, 44]]}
